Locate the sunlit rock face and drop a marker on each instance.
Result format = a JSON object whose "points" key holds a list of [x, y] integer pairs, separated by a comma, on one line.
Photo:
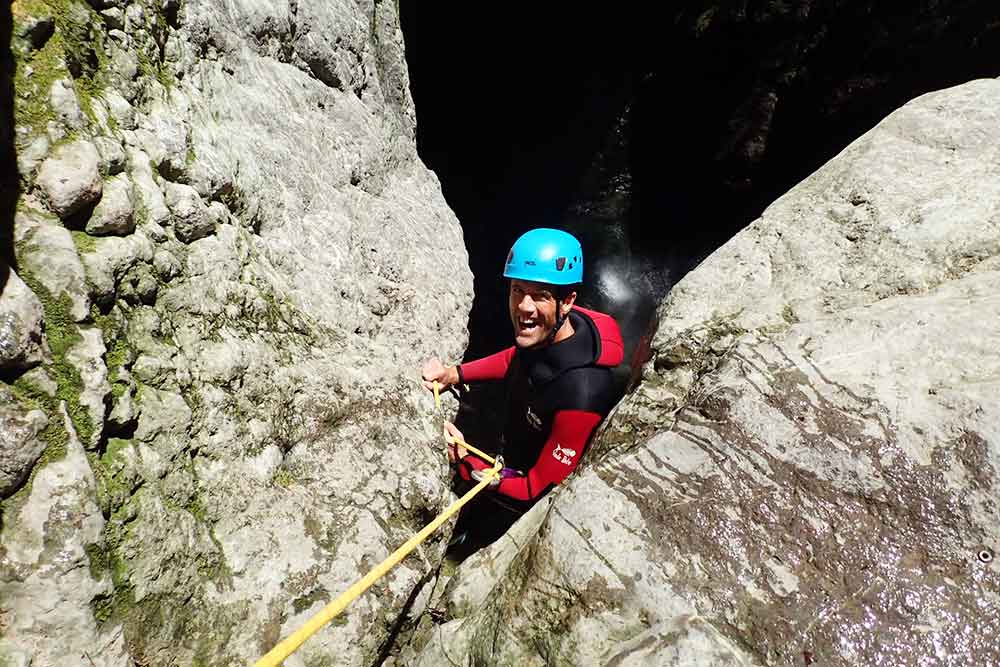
{"points": [[230, 264], [808, 472]]}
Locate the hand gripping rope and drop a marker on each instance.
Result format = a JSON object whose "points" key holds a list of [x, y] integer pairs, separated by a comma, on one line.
{"points": [[281, 651]]}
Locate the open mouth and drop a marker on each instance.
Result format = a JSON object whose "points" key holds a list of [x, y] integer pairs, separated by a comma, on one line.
{"points": [[527, 326]]}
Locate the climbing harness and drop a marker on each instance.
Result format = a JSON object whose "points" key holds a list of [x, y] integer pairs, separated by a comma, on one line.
{"points": [[277, 655]]}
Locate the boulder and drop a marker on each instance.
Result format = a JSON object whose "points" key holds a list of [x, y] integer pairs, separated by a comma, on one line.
{"points": [[70, 178], [65, 104], [20, 440], [115, 212], [191, 218], [112, 155], [149, 198], [20, 326], [111, 259], [49, 254]]}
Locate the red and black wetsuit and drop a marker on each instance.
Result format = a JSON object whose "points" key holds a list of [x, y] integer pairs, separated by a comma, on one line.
{"points": [[556, 397]]}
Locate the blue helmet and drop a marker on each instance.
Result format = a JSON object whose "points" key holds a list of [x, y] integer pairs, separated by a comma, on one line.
{"points": [[544, 255]]}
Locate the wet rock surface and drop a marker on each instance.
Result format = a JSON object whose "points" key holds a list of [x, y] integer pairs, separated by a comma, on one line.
{"points": [[809, 466]]}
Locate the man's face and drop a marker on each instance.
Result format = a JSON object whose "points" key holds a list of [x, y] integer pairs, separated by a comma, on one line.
{"points": [[532, 311]]}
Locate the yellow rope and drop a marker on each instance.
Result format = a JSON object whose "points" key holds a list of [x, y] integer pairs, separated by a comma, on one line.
{"points": [[481, 454], [278, 654], [437, 395]]}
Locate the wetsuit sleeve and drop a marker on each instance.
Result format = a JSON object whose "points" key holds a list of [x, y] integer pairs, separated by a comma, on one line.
{"points": [[471, 462], [571, 429], [493, 367]]}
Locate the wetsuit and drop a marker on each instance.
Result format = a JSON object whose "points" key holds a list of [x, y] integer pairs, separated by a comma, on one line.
{"points": [[556, 397]]}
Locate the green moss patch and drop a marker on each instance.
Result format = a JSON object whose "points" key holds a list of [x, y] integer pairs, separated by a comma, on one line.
{"points": [[84, 242], [62, 334], [74, 51]]}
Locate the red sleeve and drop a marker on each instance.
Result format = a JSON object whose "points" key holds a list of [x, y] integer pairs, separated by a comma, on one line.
{"points": [[493, 367], [560, 455], [470, 462]]}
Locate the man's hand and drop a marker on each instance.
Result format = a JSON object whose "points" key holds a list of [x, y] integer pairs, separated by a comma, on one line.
{"points": [[451, 436], [434, 370]]}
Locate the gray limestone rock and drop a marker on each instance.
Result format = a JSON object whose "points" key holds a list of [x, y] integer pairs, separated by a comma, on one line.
{"points": [[70, 178], [118, 107], [38, 379], [65, 105], [112, 155], [31, 155], [35, 30], [20, 326], [124, 410], [49, 254], [191, 219], [110, 260], [810, 464], [51, 572], [271, 440], [483, 571], [87, 357], [166, 265], [149, 202], [114, 18], [20, 441], [114, 214], [164, 135]]}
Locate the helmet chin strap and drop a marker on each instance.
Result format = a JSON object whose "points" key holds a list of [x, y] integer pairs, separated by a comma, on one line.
{"points": [[560, 318]]}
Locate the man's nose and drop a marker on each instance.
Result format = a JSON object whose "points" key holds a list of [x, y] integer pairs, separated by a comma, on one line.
{"points": [[526, 305]]}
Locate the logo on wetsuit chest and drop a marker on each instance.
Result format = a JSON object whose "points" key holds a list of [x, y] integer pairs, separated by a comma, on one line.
{"points": [[563, 455], [533, 419]]}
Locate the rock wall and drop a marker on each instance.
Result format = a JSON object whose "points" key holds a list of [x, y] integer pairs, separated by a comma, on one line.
{"points": [[229, 263], [808, 472]]}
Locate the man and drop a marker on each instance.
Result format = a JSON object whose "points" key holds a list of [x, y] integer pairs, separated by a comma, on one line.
{"points": [[558, 376]]}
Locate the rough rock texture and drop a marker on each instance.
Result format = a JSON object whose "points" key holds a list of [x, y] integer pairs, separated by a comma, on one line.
{"points": [[49, 255], [237, 431], [20, 445], [114, 214], [190, 215], [20, 326], [48, 553], [70, 177], [810, 463]]}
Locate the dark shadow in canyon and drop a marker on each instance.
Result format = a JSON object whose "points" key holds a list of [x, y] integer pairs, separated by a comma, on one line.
{"points": [[654, 139], [534, 115], [9, 184]]}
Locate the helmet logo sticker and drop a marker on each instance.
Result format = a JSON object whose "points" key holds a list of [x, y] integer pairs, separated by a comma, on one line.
{"points": [[530, 262], [560, 263]]}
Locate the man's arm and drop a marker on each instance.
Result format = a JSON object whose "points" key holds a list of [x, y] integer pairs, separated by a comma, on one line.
{"points": [[493, 367], [571, 429]]}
